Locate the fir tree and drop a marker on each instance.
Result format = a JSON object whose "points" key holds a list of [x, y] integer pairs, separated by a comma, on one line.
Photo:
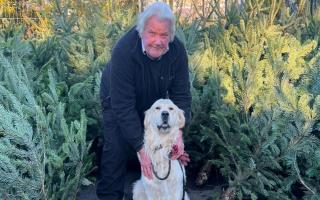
{"points": [[261, 119], [43, 156]]}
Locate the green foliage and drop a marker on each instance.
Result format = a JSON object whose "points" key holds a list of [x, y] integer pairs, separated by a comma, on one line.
{"points": [[44, 156], [75, 54], [69, 163], [255, 109], [255, 87], [189, 35], [52, 80], [21, 169]]}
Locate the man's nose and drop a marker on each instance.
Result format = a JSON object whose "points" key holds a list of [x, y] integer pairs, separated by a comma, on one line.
{"points": [[157, 40], [165, 116]]}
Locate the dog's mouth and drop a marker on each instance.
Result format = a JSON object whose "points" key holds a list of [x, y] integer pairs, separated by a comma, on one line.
{"points": [[164, 127]]}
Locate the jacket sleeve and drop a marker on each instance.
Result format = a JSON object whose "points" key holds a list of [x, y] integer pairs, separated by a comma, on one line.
{"points": [[123, 98], [179, 91]]}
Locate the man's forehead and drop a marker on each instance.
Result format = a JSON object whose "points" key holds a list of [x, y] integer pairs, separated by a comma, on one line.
{"points": [[153, 22]]}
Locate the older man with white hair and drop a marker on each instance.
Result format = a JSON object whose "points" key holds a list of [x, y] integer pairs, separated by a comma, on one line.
{"points": [[147, 63]]}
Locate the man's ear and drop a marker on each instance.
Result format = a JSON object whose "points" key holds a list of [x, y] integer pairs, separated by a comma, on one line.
{"points": [[181, 118]]}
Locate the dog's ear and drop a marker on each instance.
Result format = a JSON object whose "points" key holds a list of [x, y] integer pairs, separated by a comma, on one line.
{"points": [[147, 119], [181, 118]]}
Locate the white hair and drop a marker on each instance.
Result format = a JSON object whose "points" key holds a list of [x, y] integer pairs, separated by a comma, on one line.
{"points": [[160, 10]]}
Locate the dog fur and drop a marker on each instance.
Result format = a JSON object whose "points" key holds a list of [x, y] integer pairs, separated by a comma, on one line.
{"points": [[159, 138]]}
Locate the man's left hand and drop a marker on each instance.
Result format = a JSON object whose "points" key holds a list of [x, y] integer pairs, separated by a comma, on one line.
{"points": [[184, 158], [178, 153]]}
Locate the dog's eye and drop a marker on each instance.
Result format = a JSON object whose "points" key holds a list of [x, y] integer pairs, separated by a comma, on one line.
{"points": [[158, 108], [170, 108]]}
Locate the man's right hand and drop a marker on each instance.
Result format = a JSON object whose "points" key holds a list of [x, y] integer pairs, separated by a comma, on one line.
{"points": [[145, 163]]}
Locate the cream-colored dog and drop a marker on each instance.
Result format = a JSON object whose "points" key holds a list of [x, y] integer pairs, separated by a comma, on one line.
{"points": [[162, 123]]}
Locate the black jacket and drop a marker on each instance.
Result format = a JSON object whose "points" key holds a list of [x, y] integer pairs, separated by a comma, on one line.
{"points": [[132, 82]]}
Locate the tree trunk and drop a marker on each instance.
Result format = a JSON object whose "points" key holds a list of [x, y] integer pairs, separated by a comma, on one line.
{"points": [[141, 5], [229, 194], [203, 174], [225, 6], [313, 6], [171, 4]]}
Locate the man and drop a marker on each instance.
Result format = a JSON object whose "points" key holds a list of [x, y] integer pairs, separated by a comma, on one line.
{"points": [[146, 64]]}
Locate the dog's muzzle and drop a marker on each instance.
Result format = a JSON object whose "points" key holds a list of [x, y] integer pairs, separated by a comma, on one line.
{"points": [[165, 116], [165, 119]]}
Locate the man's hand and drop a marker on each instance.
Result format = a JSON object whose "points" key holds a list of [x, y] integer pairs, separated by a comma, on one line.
{"points": [[178, 148], [184, 158], [178, 153], [145, 163]]}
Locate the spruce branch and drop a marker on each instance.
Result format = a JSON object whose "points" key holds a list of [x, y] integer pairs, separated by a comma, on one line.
{"points": [[299, 176]]}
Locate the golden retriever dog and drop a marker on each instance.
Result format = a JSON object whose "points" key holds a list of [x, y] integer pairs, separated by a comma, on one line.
{"points": [[162, 123]]}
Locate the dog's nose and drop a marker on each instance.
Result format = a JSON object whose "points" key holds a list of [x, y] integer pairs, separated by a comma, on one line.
{"points": [[165, 116]]}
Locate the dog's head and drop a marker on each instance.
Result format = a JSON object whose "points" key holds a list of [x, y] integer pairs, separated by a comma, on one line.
{"points": [[164, 115]]}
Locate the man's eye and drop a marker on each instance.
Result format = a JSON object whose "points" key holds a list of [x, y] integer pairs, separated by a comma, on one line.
{"points": [[164, 35]]}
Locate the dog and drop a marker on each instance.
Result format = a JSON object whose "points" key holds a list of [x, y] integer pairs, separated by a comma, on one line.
{"points": [[162, 123]]}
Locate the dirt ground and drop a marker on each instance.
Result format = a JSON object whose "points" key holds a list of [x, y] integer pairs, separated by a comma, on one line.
{"points": [[205, 192], [195, 193]]}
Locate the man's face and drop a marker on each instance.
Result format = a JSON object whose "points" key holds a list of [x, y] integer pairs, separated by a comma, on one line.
{"points": [[156, 36]]}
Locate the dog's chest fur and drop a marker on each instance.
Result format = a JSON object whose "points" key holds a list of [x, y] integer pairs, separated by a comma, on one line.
{"points": [[158, 148]]}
